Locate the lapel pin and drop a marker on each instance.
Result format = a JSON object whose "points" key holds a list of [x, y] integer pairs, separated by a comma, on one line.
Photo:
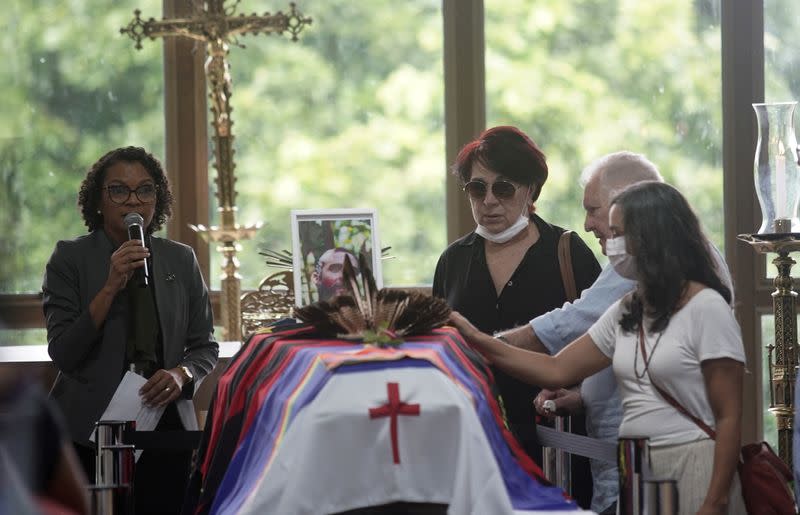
{"points": [[170, 277]]}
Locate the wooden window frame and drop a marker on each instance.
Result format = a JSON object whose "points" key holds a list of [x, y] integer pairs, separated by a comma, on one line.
{"points": [[186, 126]]}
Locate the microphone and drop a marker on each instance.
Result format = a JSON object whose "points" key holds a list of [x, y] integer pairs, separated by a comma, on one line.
{"points": [[135, 223]]}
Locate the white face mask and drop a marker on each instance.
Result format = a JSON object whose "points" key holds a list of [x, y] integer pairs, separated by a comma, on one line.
{"points": [[514, 229], [624, 264], [503, 236]]}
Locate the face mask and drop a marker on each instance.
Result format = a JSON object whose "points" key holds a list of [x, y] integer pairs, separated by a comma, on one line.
{"points": [[624, 264], [515, 228], [503, 236]]}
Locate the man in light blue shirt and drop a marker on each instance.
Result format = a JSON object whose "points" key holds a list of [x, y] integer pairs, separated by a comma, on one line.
{"points": [[598, 394], [552, 331]]}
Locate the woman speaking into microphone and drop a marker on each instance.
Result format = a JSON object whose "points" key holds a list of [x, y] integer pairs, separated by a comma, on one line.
{"points": [[103, 321]]}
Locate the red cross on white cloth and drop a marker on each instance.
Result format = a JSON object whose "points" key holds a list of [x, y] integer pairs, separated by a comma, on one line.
{"points": [[393, 409]]}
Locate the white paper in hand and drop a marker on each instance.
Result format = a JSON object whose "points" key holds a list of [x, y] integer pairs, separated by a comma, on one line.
{"points": [[126, 404]]}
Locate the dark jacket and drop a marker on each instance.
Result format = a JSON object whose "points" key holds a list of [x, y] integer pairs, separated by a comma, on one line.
{"points": [[91, 361]]}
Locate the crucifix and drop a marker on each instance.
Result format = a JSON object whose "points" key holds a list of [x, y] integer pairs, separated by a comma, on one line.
{"points": [[217, 27]]}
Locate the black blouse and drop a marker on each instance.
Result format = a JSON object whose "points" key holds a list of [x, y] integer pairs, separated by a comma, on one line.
{"points": [[462, 278]]}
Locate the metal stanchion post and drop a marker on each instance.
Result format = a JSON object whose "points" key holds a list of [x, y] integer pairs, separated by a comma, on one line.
{"points": [[556, 463], [109, 500], [118, 461], [633, 459], [549, 464], [109, 433], [661, 496], [562, 458], [115, 461]]}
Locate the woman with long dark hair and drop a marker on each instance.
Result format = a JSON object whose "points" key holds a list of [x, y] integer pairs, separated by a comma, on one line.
{"points": [[675, 334]]}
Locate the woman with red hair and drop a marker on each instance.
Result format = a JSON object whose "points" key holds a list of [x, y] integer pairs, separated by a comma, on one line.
{"points": [[506, 272]]}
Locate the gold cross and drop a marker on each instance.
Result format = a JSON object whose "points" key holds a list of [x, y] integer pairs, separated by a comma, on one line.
{"points": [[218, 27]]}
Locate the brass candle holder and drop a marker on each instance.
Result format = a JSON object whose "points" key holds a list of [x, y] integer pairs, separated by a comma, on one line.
{"points": [[776, 175], [782, 355]]}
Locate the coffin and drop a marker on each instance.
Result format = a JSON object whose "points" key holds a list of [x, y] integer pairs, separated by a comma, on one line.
{"points": [[302, 424]]}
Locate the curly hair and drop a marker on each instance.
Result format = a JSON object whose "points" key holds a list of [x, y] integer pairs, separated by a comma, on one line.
{"points": [[92, 186], [667, 242]]}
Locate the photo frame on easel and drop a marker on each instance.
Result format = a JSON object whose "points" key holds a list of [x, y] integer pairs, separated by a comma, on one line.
{"points": [[321, 240]]}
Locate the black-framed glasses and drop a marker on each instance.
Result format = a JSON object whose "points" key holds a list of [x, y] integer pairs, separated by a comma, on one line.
{"points": [[502, 190], [119, 193]]}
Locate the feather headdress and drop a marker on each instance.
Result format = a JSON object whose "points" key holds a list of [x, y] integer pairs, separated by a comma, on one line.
{"points": [[381, 317]]}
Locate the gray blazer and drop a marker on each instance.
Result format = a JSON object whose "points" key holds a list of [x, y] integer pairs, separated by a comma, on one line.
{"points": [[91, 361]]}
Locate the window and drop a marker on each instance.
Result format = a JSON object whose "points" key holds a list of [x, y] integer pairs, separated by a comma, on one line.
{"points": [[350, 116], [770, 427], [70, 102], [74, 89], [647, 79], [647, 74]]}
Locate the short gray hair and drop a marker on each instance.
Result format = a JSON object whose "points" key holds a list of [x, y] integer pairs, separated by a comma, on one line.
{"points": [[620, 169]]}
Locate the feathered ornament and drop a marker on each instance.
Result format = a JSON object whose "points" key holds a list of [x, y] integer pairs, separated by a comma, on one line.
{"points": [[366, 314]]}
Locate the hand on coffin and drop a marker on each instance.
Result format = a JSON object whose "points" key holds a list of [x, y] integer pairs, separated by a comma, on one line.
{"points": [[482, 342], [465, 327]]}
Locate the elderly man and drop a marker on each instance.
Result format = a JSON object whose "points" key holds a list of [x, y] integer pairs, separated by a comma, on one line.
{"points": [[552, 331]]}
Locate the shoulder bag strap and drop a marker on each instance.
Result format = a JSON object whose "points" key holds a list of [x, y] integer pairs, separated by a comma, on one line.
{"points": [[675, 404], [565, 262]]}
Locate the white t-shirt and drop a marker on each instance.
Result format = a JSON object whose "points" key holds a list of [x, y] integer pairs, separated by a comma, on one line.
{"points": [[703, 329]]}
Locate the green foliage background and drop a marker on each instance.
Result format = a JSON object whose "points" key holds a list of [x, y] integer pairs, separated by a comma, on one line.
{"points": [[594, 77], [71, 89], [352, 114], [349, 117]]}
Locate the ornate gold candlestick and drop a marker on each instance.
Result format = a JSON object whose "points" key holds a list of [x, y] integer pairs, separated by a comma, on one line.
{"points": [[230, 284], [782, 355], [215, 25]]}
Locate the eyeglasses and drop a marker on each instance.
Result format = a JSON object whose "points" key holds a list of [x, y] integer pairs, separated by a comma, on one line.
{"points": [[502, 190], [119, 193]]}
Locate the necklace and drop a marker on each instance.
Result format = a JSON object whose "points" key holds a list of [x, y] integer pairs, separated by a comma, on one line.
{"points": [[644, 353]]}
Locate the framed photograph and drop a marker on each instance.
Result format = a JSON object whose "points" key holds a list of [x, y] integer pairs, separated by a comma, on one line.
{"points": [[322, 240]]}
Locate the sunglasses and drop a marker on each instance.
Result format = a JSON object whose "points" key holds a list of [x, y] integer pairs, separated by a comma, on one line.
{"points": [[502, 190]]}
